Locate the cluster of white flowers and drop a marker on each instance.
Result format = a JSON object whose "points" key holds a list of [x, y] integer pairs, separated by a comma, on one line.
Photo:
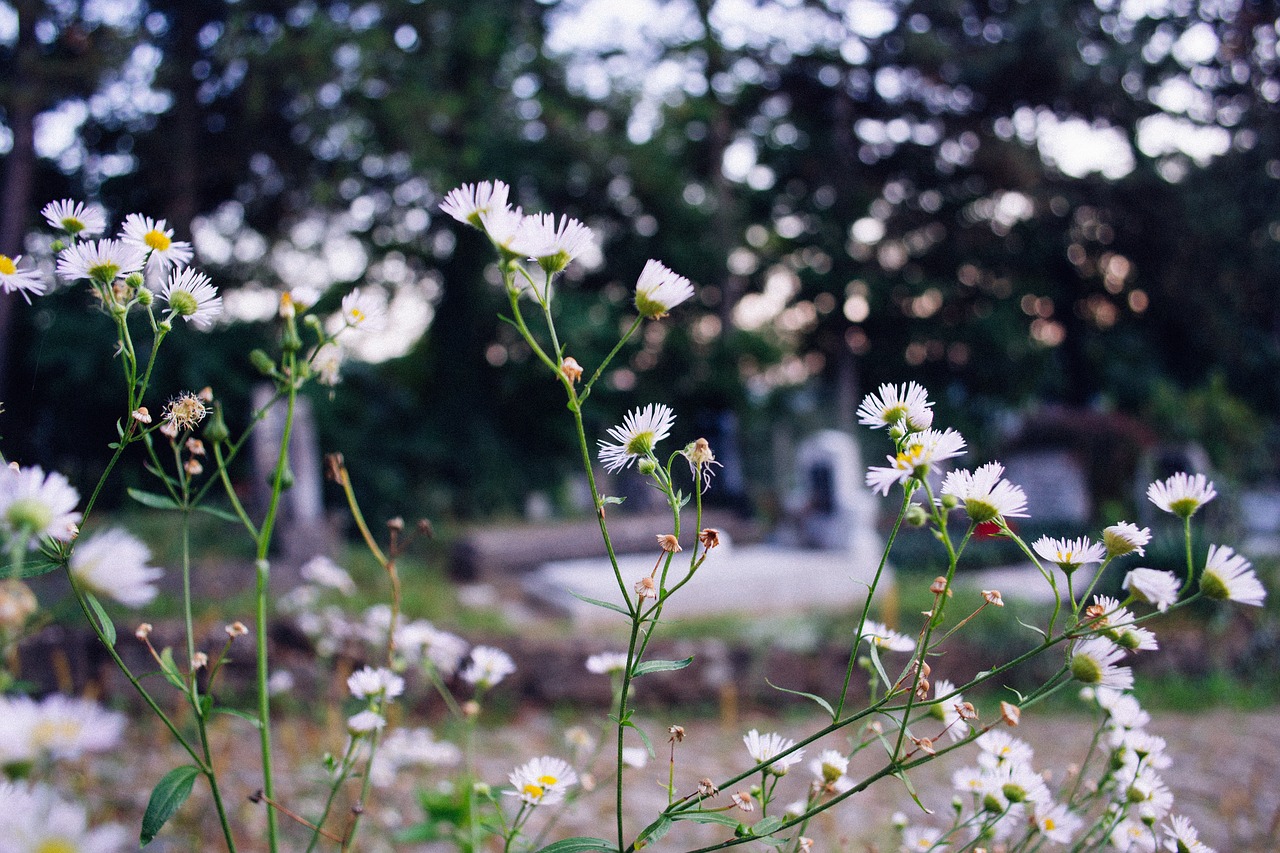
{"points": [[552, 245]]}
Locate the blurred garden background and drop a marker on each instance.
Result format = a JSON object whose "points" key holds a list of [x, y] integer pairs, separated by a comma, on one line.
{"points": [[1062, 217], [1021, 205]]}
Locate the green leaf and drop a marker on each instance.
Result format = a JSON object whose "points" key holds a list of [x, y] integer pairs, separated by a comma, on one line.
{"points": [[767, 826], [660, 666], [655, 831], [170, 669], [648, 744], [823, 703], [1033, 628], [153, 500], [580, 844], [708, 817], [248, 718], [218, 512], [911, 789], [617, 608], [105, 625], [30, 568], [166, 799], [609, 499]]}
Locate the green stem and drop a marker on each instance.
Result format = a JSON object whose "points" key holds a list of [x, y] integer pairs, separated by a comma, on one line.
{"points": [[344, 768], [866, 606], [263, 576], [586, 389]]}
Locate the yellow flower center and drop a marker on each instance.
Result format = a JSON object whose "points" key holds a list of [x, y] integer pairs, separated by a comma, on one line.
{"points": [[893, 414], [157, 240], [548, 781], [533, 791], [7, 266], [357, 316], [72, 225], [1049, 825], [56, 845]]}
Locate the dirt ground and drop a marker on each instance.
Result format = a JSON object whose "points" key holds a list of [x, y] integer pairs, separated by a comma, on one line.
{"points": [[1225, 777]]}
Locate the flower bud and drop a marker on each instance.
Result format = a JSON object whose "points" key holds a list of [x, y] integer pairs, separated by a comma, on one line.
{"points": [[262, 362], [216, 429]]}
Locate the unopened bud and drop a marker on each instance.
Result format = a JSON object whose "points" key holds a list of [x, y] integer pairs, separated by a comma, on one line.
{"points": [[216, 429], [916, 516], [262, 362], [145, 297], [396, 524], [199, 660]]}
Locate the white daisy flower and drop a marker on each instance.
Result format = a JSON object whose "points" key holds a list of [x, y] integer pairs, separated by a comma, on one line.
{"points": [[552, 246], [1056, 822], [1069, 554], [1123, 708], [1149, 794], [948, 710], [1119, 626], [542, 781], [830, 767], [1181, 494], [365, 722], [488, 666], [968, 780], [114, 564], [503, 225], [920, 452], [892, 404], [1183, 837], [1125, 538], [100, 261], [325, 572], [641, 429], [61, 727], [1153, 586], [882, 636], [76, 218], [1000, 748], [370, 682], [35, 505], [1133, 836], [13, 280], [152, 236], [362, 310], [766, 747], [192, 297], [34, 817], [985, 495], [635, 756], [920, 838], [607, 663], [327, 364], [1093, 661], [416, 747], [470, 202], [658, 290], [1228, 576]]}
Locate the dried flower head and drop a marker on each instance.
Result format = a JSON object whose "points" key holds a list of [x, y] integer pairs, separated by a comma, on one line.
{"points": [[142, 415], [184, 412], [707, 788], [571, 369], [677, 733], [669, 543], [1010, 714], [709, 537], [236, 629], [992, 596], [646, 588]]}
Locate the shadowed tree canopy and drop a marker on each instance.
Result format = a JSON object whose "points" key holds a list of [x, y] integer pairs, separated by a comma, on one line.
{"points": [[1061, 200]]}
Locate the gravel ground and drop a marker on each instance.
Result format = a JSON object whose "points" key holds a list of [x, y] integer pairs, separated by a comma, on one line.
{"points": [[1225, 776]]}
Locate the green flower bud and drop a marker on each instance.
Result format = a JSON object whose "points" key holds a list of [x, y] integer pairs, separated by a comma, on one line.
{"points": [[262, 362], [216, 429]]}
